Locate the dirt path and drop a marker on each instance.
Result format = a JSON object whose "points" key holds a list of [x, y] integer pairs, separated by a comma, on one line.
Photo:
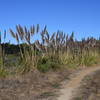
{"points": [[69, 90]]}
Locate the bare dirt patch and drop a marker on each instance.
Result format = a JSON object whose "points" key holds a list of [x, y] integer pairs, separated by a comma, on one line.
{"points": [[33, 85], [90, 87], [69, 90]]}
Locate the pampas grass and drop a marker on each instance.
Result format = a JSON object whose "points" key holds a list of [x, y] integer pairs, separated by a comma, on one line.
{"points": [[58, 47]]}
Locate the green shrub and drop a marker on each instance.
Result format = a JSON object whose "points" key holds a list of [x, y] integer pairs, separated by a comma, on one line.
{"points": [[3, 72], [45, 64]]}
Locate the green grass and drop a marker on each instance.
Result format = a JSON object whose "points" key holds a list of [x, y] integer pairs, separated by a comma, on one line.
{"points": [[80, 60], [3, 73]]}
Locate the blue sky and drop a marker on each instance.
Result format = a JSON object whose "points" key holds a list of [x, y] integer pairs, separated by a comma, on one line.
{"points": [[80, 16]]}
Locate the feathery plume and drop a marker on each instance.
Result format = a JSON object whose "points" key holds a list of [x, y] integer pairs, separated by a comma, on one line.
{"points": [[17, 39], [25, 31], [4, 34], [32, 30], [46, 40], [20, 31], [52, 37], [47, 34], [12, 33], [45, 29], [38, 28]]}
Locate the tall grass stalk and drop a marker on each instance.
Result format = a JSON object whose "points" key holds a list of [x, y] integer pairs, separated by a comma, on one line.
{"points": [[58, 47]]}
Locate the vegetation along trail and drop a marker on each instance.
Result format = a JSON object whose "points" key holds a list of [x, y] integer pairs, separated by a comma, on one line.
{"points": [[69, 90]]}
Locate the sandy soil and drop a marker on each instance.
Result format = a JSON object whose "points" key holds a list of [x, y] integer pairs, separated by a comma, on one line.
{"points": [[90, 87], [69, 89]]}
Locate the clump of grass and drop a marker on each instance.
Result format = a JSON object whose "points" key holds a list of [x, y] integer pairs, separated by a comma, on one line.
{"points": [[3, 72], [56, 85], [82, 59], [47, 94]]}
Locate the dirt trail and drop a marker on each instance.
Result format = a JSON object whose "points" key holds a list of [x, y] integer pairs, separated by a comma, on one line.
{"points": [[72, 86]]}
